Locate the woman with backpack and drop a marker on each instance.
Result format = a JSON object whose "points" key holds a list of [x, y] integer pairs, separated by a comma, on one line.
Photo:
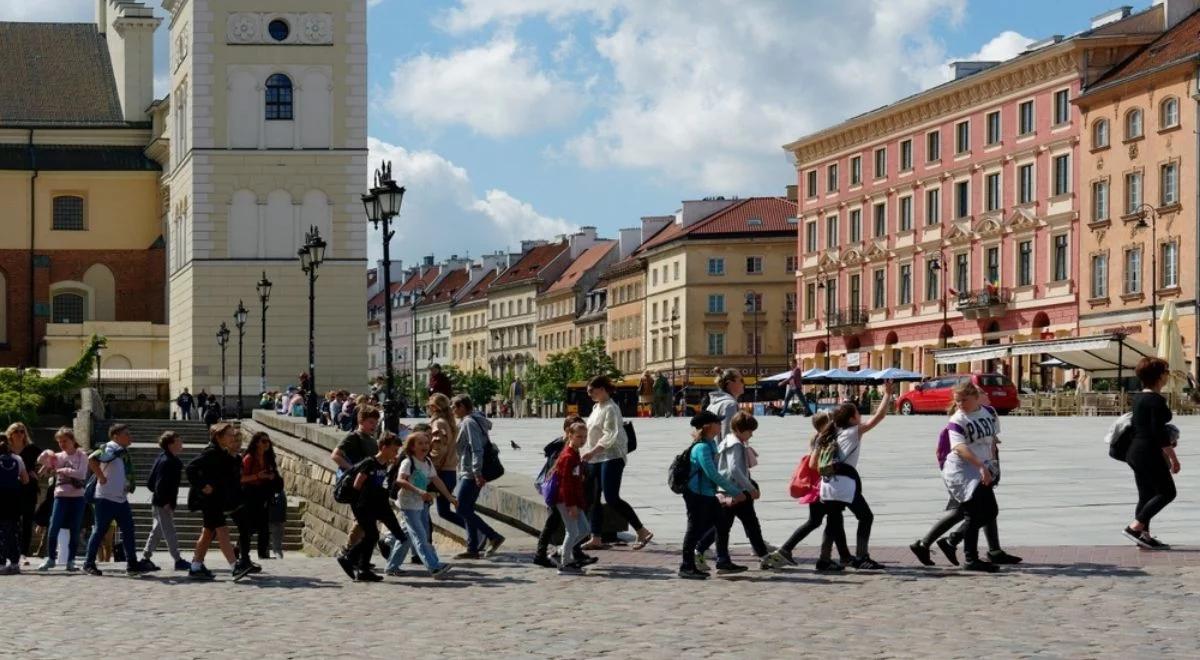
{"points": [[700, 494], [605, 452], [1151, 452], [471, 444]]}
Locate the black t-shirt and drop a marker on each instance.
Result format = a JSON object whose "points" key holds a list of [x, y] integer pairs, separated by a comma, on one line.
{"points": [[30, 455], [375, 487], [1150, 417], [357, 446]]}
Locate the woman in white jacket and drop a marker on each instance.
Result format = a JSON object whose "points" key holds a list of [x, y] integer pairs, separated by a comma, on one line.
{"points": [[724, 402], [605, 451]]}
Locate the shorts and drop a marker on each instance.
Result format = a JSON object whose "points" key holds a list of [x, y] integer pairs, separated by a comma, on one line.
{"points": [[214, 518]]}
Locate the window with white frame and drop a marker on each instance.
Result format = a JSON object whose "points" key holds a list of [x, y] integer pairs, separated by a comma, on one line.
{"points": [[905, 297], [1099, 276], [1061, 261], [1062, 174], [1100, 134], [1133, 124], [1133, 270], [1025, 184], [1099, 200], [1133, 192], [1170, 265], [933, 146], [790, 265], [855, 225], [1025, 118], [992, 273], [1168, 113], [754, 303], [932, 292], [855, 170], [831, 178], [754, 343], [716, 303], [789, 302], [1169, 181], [991, 191], [716, 266], [1062, 107], [962, 137], [933, 206], [754, 265], [1025, 263], [880, 220], [906, 213], [810, 187], [810, 301], [880, 162], [831, 231], [962, 272], [810, 236], [855, 291], [962, 199], [878, 289], [906, 155], [992, 134]]}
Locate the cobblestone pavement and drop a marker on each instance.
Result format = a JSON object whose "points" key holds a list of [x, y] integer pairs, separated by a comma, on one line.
{"points": [[1067, 602]]}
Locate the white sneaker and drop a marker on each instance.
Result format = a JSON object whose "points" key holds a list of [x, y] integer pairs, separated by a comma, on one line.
{"points": [[46, 565]]}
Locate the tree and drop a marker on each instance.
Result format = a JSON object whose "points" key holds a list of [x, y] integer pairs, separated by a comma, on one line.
{"points": [[590, 359], [21, 396], [547, 383], [480, 386], [456, 377]]}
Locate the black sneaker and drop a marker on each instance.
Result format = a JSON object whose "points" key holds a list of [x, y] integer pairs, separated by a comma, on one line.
{"points": [[183, 565], [692, 574], [980, 566], [347, 566], [544, 561], [570, 569], [828, 566], [136, 568], [467, 555], [866, 564], [241, 570], [368, 576], [1155, 544], [1001, 557], [1138, 538], [148, 566], [201, 573], [922, 552], [255, 569], [949, 550], [587, 560], [91, 569], [730, 568]]}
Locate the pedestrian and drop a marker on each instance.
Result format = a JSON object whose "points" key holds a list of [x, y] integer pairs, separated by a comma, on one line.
{"points": [[818, 511], [516, 394], [354, 449], [794, 390], [1151, 452], [554, 520], [700, 496], [645, 393], [113, 470], [735, 457], [371, 507], [662, 396], [472, 439], [570, 501], [349, 413], [335, 409], [69, 469], [327, 409], [444, 452], [20, 442], [163, 484], [202, 401], [13, 478], [417, 473], [214, 479], [605, 452], [724, 401], [970, 471], [213, 414], [439, 382], [184, 401], [277, 519], [259, 477]]}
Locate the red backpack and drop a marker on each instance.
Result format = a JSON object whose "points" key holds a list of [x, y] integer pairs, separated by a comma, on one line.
{"points": [[805, 479]]}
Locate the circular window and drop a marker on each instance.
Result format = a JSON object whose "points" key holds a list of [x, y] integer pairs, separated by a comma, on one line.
{"points": [[279, 29]]}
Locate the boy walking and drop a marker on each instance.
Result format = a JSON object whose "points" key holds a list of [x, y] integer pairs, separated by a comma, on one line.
{"points": [[215, 477], [113, 471], [163, 483], [371, 508], [570, 501]]}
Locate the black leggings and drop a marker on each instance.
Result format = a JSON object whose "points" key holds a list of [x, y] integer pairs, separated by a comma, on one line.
{"points": [[743, 511], [606, 481], [977, 513], [368, 516], [835, 531], [861, 511], [1156, 489], [954, 516], [251, 519], [703, 514]]}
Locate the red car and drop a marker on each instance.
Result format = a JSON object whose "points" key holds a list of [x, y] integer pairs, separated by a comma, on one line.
{"points": [[936, 394]]}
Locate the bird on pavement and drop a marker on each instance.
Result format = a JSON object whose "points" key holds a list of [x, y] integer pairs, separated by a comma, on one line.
{"points": [[514, 445]]}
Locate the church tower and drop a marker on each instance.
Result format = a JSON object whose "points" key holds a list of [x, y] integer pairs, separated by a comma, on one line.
{"points": [[268, 121]]}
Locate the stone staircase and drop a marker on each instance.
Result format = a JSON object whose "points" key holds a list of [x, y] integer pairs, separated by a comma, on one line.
{"points": [[147, 431], [188, 526]]}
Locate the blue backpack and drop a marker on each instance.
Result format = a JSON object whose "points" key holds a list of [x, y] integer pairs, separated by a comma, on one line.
{"points": [[550, 489]]}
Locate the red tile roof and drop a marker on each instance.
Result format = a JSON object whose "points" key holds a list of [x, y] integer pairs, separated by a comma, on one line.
{"points": [[581, 265], [754, 215], [421, 279], [451, 284], [530, 264], [1178, 43], [479, 291]]}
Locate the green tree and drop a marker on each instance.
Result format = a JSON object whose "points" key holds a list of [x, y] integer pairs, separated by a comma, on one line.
{"points": [[547, 383], [22, 396], [591, 359], [480, 386], [456, 377]]}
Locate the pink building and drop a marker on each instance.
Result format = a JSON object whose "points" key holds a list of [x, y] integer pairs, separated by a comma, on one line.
{"points": [[952, 215]]}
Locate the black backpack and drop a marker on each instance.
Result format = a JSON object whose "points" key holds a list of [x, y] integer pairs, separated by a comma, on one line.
{"points": [[344, 491], [680, 471], [631, 437], [492, 468]]}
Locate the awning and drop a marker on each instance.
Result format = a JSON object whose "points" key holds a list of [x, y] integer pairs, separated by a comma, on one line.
{"points": [[1102, 356]]}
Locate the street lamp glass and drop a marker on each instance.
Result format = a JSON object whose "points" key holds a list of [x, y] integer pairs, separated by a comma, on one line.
{"points": [[316, 249], [391, 196], [239, 315], [371, 207], [305, 259], [264, 288]]}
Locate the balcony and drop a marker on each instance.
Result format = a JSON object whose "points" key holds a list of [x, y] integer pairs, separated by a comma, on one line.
{"points": [[987, 303], [846, 321]]}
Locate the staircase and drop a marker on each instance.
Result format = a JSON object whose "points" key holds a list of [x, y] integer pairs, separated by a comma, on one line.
{"points": [[188, 527], [147, 431]]}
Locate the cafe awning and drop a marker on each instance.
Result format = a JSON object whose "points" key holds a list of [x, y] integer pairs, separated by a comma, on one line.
{"points": [[1102, 356]]}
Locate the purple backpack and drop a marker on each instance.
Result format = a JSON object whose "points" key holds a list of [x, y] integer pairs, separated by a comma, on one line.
{"points": [[550, 489], [943, 447]]}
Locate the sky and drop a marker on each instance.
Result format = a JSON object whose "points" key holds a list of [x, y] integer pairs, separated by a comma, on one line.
{"points": [[522, 119]]}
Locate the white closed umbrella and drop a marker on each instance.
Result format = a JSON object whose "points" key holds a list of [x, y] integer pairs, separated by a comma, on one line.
{"points": [[1170, 347]]}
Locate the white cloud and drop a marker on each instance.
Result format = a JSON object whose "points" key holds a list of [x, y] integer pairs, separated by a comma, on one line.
{"points": [[474, 14], [442, 215], [1004, 46], [496, 89], [40, 10]]}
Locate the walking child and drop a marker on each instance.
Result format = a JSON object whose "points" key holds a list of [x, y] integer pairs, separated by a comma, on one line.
{"points": [[970, 470], [554, 522], [70, 470], [371, 507], [700, 494], [570, 502], [735, 457], [215, 477], [163, 484], [417, 473]]}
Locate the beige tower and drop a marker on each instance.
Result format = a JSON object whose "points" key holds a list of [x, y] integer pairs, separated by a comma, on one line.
{"points": [[268, 121]]}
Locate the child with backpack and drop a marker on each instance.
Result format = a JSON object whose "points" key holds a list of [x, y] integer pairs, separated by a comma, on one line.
{"points": [[215, 478], [69, 468], [163, 483], [700, 491], [13, 478], [565, 488], [366, 483], [735, 457], [554, 520], [416, 474]]}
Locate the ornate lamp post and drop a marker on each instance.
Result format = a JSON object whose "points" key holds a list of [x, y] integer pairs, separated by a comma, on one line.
{"points": [[239, 320], [99, 391], [1144, 211], [264, 294], [828, 317], [753, 308], [311, 254], [938, 265], [674, 338], [223, 341], [382, 204]]}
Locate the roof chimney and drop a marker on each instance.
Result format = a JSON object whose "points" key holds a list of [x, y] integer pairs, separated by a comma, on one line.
{"points": [[1174, 11], [1111, 16], [428, 261], [694, 211], [128, 28], [581, 240], [628, 240], [652, 224], [969, 68]]}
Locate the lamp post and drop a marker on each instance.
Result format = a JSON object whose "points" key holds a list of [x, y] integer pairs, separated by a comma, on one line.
{"points": [[264, 294], [937, 259], [223, 341], [311, 254], [239, 320], [382, 204], [674, 337], [1144, 211], [753, 308], [418, 296], [828, 316]]}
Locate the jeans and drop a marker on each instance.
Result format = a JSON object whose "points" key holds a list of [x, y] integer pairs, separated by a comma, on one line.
{"points": [[68, 512], [1156, 489], [185, 412], [743, 511], [577, 530], [418, 535], [163, 528], [817, 511], [792, 393], [106, 512], [606, 481], [467, 493], [703, 512], [977, 513], [445, 512], [369, 515], [252, 519]]}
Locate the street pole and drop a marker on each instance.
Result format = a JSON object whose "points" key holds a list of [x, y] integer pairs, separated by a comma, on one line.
{"points": [[264, 294], [239, 319], [311, 254], [1144, 211], [223, 341], [382, 204]]}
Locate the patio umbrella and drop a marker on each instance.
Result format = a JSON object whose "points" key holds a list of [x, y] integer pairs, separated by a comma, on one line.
{"points": [[1170, 347], [896, 375], [779, 377]]}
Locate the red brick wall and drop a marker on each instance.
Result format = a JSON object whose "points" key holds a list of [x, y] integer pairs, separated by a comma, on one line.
{"points": [[139, 275]]}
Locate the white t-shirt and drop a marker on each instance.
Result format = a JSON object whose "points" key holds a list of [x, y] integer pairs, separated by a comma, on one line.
{"points": [[979, 431], [849, 442], [113, 489], [418, 474]]}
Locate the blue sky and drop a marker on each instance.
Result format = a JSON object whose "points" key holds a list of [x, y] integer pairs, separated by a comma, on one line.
{"points": [[512, 119]]}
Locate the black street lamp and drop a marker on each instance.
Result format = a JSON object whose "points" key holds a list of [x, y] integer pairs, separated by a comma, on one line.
{"points": [[239, 320], [418, 296], [311, 254], [264, 294], [828, 317], [754, 309], [1144, 211], [937, 259], [223, 341], [382, 204], [674, 337]]}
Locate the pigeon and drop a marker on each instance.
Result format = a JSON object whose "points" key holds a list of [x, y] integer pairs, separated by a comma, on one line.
{"points": [[514, 445]]}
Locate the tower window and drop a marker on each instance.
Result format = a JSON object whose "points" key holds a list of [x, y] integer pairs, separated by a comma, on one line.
{"points": [[67, 308], [279, 29], [68, 213], [279, 97]]}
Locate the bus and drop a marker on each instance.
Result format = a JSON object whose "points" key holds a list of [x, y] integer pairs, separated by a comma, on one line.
{"points": [[687, 401]]}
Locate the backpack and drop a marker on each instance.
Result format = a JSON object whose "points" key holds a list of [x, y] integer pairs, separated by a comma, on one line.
{"points": [[547, 467], [1120, 437], [10, 473], [828, 458], [680, 471], [343, 489], [630, 437], [943, 447], [805, 478], [492, 468], [550, 489]]}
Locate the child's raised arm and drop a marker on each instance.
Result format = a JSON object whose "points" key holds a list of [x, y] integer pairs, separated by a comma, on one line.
{"points": [[881, 412]]}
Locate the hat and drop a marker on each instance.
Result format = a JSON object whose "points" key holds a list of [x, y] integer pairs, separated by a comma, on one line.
{"points": [[704, 418]]}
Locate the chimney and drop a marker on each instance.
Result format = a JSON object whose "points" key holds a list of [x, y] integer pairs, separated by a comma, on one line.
{"points": [[581, 241], [526, 246], [428, 261], [964, 68], [1174, 11], [628, 240], [792, 193], [652, 224], [1111, 16], [128, 28], [694, 211]]}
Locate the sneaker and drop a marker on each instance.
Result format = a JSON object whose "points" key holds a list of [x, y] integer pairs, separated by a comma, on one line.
{"points": [[866, 564], [544, 561], [136, 568], [493, 546], [442, 572], [922, 552], [783, 555], [570, 569], [241, 570], [255, 569], [347, 566], [1154, 543], [183, 565], [467, 555], [368, 576], [730, 568], [949, 550], [692, 574], [587, 560], [46, 565], [828, 566], [1002, 557], [147, 566], [201, 574], [980, 566], [91, 569], [384, 547], [71, 568], [13, 569], [1138, 538], [701, 562]]}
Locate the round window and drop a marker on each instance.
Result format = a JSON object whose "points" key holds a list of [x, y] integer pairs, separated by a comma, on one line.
{"points": [[279, 29]]}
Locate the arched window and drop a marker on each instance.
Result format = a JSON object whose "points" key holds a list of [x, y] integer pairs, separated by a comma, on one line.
{"points": [[68, 308], [1168, 113], [1100, 134], [1133, 124], [68, 213], [279, 97]]}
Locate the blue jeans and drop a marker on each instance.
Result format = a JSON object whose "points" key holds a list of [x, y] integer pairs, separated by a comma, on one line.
{"points": [[106, 512], [67, 511], [414, 522], [446, 513], [467, 493]]}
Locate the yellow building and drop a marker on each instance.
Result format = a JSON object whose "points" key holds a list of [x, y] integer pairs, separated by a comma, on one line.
{"points": [[624, 282], [1138, 174], [560, 306], [720, 290], [469, 325]]}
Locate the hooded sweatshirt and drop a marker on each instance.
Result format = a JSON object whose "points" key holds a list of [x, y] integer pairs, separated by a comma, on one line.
{"points": [[723, 405], [733, 462], [472, 434]]}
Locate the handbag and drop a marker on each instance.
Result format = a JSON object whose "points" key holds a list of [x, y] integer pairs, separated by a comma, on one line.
{"points": [[630, 438]]}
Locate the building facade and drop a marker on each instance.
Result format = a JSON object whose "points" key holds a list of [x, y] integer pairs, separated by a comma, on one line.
{"points": [[624, 282], [431, 319], [469, 325], [512, 306], [560, 305]]}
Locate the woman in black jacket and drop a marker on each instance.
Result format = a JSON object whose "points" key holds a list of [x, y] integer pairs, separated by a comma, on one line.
{"points": [[1151, 452], [21, 444], [215, 479]]}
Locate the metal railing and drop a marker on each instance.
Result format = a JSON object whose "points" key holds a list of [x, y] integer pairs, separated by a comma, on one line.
{"points": [[847, 317], [986, 297]]}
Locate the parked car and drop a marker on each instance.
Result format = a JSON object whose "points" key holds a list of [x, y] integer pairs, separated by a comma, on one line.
{"points": [[936, 394]]}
